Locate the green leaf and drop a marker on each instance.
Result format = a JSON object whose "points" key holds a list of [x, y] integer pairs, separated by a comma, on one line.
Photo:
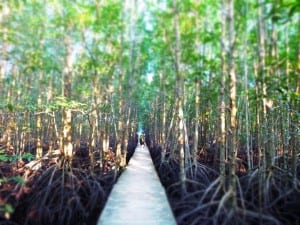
{"points": [[9, 208], [294, 9], [18, 179], [3, 180], [28, 156], [3, 156], [13, 158], [10, 107]]}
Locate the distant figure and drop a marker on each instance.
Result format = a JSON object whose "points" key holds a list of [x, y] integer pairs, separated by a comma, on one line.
{"points": [[142, 139]]}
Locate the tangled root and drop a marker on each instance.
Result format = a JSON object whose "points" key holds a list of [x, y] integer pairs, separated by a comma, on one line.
{"points": [[60, 196], [207, 199]]}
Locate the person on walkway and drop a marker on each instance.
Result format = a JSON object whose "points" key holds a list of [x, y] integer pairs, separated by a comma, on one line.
{"points": [[142, 140]]}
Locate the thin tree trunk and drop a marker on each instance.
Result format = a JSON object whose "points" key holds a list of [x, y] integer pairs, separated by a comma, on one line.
{"points": [[265, 162], [155, 120], [95, 122], [286, 110], [267, 155], [119, 133], [4, 12], [274, 71], [197, 117], [247, 125], [119, 124], [296, 123], [126, 138], [39, 150], [222, 105], [166, 144], [180, 94], [163, 99], [67, 112], [131, 81], [232, 138]]}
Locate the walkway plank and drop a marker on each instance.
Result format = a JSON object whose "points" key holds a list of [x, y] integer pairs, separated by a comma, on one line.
{"points": [[138, 197]]}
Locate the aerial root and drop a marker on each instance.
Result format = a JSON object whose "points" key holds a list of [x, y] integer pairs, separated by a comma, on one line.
{"points": [[207, 197], [60, 196]]}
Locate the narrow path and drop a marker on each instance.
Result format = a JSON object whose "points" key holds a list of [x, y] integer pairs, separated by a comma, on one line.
{"points": [[138, 197]]}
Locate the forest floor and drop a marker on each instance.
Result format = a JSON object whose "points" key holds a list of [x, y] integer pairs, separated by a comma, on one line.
{"points": [[273, 202], [76, 194], [48, 193]]}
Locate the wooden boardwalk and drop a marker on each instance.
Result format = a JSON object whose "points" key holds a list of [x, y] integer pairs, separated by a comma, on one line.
{"points": [[138, 198]]}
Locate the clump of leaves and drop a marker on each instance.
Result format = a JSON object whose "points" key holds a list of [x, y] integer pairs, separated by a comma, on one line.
{"points": [[61, 101], [16, 179], [4, 157], [6, 209]]}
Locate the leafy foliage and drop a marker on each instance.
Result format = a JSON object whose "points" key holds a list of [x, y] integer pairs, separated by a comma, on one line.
{"points": [[13, 158]]}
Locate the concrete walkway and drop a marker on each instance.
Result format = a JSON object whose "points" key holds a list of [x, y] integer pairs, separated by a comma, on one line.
{"points": [[138, 198]]}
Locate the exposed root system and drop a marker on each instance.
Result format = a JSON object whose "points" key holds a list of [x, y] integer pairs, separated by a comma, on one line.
{"points": [[46, 192], [60, 196], [205, 200]]}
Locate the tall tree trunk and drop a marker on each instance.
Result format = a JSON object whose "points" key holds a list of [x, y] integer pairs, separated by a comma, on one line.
{"points": [[156, 118], [245, 68], [39, 150], [265, 161], [126, 136], [180, 95], [222, 104], [267, 155], [247, 119], [119, 124], [67, 112], [95, 122], [133, 60], [197, 117], [4, 12], [232, 137], [119, 133], [296, 141], [163, 99], [286, 121]]}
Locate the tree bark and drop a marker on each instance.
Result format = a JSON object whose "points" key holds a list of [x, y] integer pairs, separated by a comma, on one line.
{"points": [[247, 119], [197, 117], [295, 119], [232, 137], [39, 150], [180, 95], [67, 112], [4, 12], [222, 104], [267, 154]]}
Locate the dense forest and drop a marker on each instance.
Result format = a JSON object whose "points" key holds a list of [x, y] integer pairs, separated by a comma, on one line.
{"points": [[214, 84]]}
